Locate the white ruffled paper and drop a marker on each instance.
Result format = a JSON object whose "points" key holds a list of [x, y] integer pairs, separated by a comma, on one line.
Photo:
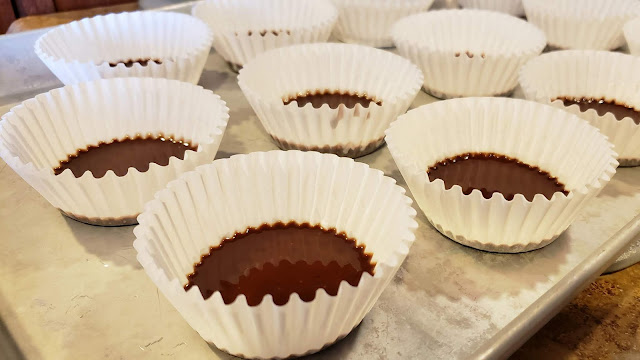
{"points": [[82, 50], [582, 24], [631, 32], [215, 201], [36, 135], [244, 28], [353, 132], [369, 22], [591, 74], [511, 7], [468, 52], [554, 140]]}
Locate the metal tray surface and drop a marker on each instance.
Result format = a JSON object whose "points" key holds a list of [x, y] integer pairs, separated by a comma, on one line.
{"points": [[70, 290]]}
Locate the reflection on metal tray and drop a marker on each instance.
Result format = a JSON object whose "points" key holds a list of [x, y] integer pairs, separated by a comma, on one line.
{"points": [[69, 290]]}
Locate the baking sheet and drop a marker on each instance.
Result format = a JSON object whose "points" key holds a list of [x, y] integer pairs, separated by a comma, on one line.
{"points": [[69, 290]]}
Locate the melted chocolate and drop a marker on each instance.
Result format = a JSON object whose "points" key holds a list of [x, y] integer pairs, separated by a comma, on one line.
{"points": [[602, 106], [129, 63], [265, 32], [469, 54], [120, 155], [333, 99], [279, 260], [491, 173]]}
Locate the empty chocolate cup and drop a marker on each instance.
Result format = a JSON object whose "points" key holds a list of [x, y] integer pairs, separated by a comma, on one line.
{"points": [[511, 7], [369, 22], [467, 52], [561, 144], [582, 24], [39, 135], [599, 76], [203, 207], [245, 28], [335, 98], [138, 44]]}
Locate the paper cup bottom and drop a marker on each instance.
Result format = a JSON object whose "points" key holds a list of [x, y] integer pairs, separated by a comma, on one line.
{"points": [[109, 222], [346, 150], [444, 96], [310, 352], [377, 43], [494, 248], [629, 162]]}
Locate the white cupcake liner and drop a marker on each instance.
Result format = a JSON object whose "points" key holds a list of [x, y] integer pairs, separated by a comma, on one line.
{"points": [[582, 24], [511, 7], [230, 195], [353, 132], [554, 140], [631, 32], [467, 52], [82, 50], [237, 25], [598, 74], [369, 22], [36, 135]]}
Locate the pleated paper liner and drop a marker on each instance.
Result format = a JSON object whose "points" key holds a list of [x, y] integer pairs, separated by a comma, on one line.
{"points": [[511, 7], [230, 195], [245, 28], [36, 135], [139, 44], [468, 52], [582, 24], [369, 22], [631, 32], [344, 68], [570, 149], [590, 74]]}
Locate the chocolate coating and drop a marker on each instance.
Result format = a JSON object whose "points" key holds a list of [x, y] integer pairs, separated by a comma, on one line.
{"points": [[280, 259], [332, 98], [120, 155], [129, 63], [491, 173], [265, 32], [602, 106]]}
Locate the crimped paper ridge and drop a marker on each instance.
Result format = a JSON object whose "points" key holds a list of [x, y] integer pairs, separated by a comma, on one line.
{"points": [[631, 32], [40, 132], [582, 24], [330, 66], [308, 21], [81, 50], [437, 42], [577, 73], [554, 140], [183, 222], [369, 22], [511, 7]]}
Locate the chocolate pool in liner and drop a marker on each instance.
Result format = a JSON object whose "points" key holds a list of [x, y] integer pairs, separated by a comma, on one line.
{"points": [[582, 24], [41, 132], [138, 44], [369, 22], [467, 52], [218, 200], [277, 83], [555, 141], [600, 76], [243, 29]]}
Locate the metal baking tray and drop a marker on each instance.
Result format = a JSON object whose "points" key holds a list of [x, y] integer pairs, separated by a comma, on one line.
{"points": [[70, 290]]}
